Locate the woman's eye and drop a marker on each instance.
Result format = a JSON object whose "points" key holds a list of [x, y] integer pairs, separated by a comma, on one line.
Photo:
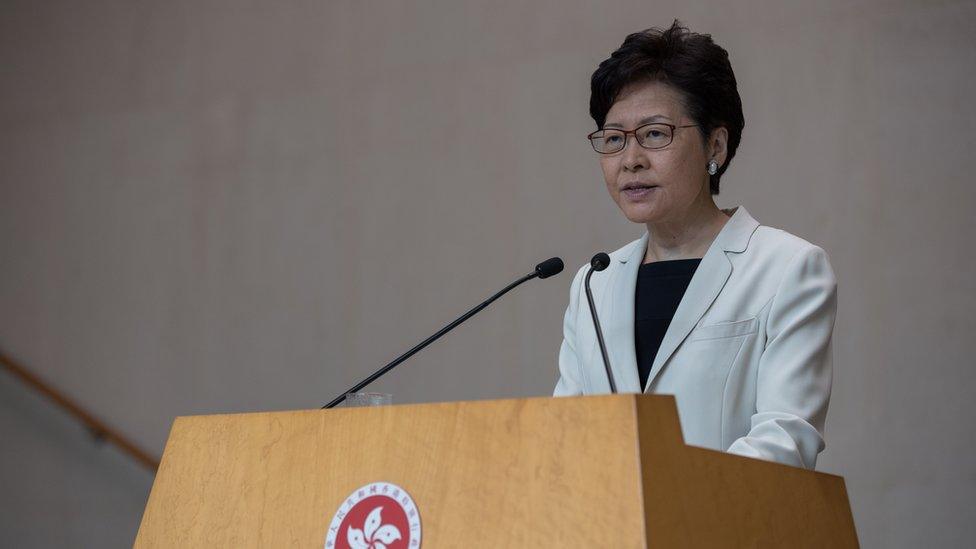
{"points": [[612, 139], [655, 134]]}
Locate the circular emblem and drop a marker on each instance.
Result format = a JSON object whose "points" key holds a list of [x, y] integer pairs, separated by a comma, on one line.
{"points": [[376, 516]]}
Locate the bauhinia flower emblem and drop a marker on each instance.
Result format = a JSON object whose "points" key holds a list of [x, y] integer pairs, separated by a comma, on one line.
{"points": [[374, 535], [378, 515]]}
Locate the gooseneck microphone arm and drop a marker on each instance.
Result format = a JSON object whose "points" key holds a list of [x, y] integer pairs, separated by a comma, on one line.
{"points": [[599, 262], [547, 268]]}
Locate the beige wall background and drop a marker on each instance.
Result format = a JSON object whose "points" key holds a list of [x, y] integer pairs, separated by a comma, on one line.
{"points": [[234, 206]]}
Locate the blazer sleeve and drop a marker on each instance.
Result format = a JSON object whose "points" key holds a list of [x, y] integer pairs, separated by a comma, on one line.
{"points": [[794, 375], [570, 370]]}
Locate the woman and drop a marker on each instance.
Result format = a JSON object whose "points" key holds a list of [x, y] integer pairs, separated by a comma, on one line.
{"points": [[732, 317]]}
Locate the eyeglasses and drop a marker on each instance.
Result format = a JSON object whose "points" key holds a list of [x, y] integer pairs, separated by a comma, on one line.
{"points": [[650, 136]]}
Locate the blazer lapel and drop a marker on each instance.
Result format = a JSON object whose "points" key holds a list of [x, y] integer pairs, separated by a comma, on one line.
{"points": [[617, 318], [709, 279]]}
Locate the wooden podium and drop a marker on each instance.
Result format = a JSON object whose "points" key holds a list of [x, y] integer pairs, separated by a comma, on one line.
{"points": [[602, 471]]}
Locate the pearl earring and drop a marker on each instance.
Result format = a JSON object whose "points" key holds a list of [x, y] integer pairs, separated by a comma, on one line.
{"points": [[712, 167]]}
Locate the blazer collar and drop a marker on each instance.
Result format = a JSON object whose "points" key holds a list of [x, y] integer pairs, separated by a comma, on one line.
{"points": [[709, 279], [734, 236]]}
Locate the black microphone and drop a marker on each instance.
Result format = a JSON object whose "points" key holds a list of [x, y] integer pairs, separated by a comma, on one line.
{"points": [[547, 268], [599, 262]]}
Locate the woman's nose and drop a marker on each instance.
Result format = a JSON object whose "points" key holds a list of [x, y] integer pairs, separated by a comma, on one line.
{"points": [[634, 156]]}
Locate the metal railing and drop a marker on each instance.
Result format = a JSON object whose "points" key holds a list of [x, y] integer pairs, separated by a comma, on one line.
{"points": [[99, 430]]}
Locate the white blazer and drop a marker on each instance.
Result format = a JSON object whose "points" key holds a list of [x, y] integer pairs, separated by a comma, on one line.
{"points": [[747, 355]]}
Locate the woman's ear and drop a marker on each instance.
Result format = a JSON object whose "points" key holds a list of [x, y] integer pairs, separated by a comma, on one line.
{"points": [[718, 145]]}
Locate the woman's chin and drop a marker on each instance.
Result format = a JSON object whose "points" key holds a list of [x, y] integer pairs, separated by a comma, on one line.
{"points": [[640, 213]]}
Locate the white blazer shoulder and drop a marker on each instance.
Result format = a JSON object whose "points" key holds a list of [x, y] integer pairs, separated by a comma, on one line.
{"points": [[748, 352]]}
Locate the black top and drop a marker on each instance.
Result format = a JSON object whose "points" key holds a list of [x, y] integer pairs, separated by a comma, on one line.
{"points": [[660, 286]]}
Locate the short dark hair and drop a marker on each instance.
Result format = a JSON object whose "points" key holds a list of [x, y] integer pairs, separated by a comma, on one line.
{"points": [[689, 62]]}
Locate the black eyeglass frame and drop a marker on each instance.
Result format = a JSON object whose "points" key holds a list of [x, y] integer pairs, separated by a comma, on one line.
{"points": [[634, 133]]}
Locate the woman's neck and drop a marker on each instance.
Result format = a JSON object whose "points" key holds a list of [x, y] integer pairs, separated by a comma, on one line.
{"points": [[686, 236]]}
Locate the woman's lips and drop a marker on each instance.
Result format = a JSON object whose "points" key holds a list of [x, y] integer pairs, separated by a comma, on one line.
{"points": [[638, 192]]}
